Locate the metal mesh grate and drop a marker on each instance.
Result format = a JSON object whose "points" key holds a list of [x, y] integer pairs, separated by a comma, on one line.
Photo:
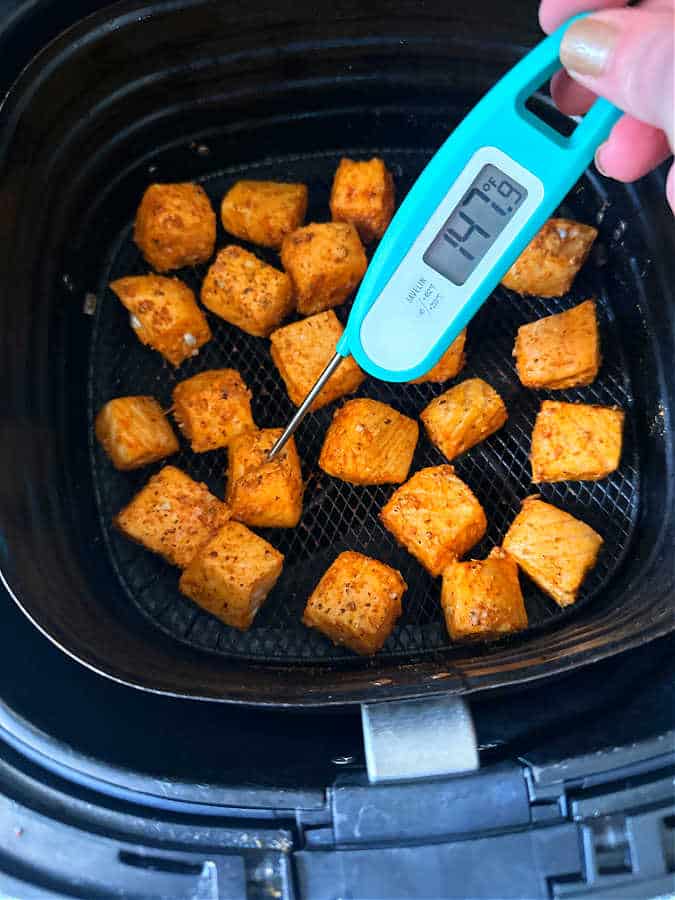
{"points": [[339, 516]]}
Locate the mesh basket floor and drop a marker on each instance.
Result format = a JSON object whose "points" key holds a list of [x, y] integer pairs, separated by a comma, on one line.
{"points": [[338, 516]]}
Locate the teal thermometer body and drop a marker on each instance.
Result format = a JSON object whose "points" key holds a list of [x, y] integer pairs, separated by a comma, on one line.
{"points": [[473, 210], [470, 214]]}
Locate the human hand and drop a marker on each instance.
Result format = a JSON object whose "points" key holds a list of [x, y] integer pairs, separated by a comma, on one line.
{"points": [[626, 55]]}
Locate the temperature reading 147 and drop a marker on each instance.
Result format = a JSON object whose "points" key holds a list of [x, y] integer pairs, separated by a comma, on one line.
{"points": [[475, 224]]}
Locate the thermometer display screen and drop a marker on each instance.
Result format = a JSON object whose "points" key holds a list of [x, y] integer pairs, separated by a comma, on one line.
{"points": [[473, 226]]}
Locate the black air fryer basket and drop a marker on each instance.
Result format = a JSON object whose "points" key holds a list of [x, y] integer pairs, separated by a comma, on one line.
{"points": [[213, 92]]}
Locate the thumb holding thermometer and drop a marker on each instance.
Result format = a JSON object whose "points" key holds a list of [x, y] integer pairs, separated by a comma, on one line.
{"points": [[626, 55]]}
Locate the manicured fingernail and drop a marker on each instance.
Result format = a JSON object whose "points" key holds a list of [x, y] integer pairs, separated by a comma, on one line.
{"points": [[598, 162], [587, 45]]}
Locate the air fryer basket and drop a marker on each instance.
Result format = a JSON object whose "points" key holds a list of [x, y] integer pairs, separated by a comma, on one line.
{"points": [[339, 516], [199, 90]]}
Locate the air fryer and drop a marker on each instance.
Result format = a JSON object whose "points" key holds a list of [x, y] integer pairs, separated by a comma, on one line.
{"points": [[107, 790]]}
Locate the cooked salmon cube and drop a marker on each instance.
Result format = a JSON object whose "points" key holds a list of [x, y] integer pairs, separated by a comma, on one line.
{"points": [[134, 432], [175, 226], [363, 194], [463, 416], [481, 598], [261, 493], [575, 442], [559, 351], [232, 575], [173, 516], [435, 516], [553, 548], [449, 365], [263, 212], [369, 442], [164, 315], [302, 350], [549, 264], [356, 603], [212, 408], [246, 292], [325, 263]]}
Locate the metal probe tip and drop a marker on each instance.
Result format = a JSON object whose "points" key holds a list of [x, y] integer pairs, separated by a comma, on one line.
{"points": [[303, 409]]}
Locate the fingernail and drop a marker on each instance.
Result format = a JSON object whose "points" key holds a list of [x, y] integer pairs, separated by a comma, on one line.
{"points": [[598, 163], [587, 45]]}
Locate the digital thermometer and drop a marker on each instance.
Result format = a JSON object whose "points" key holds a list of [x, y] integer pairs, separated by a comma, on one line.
{"points": [[470, 214]]}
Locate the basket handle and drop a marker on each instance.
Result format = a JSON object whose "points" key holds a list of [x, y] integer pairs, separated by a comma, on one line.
{"points": [[410, 739]]}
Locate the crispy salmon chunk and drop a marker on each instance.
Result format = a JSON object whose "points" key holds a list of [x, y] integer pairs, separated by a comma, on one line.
{"points": [[368, 442], [261, 493], [482, 598], [134, 432], [164, 315], [549, 264], [356, 603], [575, 442], [175, 226], [212, 408], [302, 350], [246, 292], [449, 365], [263, 212], [435, 516], [559, 351], [363, 194], [325, 262], [232, 575], [463, 416], [553, 548], [173, 516]]}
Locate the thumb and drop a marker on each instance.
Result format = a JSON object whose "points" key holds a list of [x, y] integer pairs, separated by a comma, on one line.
{"points": [[626, 55]]}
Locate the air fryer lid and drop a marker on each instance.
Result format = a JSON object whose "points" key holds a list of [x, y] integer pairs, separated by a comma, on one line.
{"points": [[211, 93]]}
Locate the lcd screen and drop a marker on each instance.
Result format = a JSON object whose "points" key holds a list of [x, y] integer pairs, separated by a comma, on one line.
{"points": [[473, 226]]}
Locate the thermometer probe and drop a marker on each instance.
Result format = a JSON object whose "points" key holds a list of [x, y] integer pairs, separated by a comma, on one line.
{"points": [[470, 214]]}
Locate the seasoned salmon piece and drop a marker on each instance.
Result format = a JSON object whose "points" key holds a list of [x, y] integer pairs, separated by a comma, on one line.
{"points": [[369, 442], [449, 365], [212, 407], [173, 516], [260, 493], [232, 575], [463, 416], [325, 262], [553, 548], [363, 194], [356, 603], [134, 432], [246, 292], [175, 226], [549, 264], [164, 315], [559, 351], [302, 350], [263, 212], [435, 516], [481, 598], [576, 442]]}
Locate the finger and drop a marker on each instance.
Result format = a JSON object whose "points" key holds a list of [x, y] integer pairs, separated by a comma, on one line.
{"points": [[632, 150], [552, 13], [571, 98], [626, 55]]}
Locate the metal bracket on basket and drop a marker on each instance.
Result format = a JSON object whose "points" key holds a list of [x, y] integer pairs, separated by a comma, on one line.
{"points": [[409, 739]]}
